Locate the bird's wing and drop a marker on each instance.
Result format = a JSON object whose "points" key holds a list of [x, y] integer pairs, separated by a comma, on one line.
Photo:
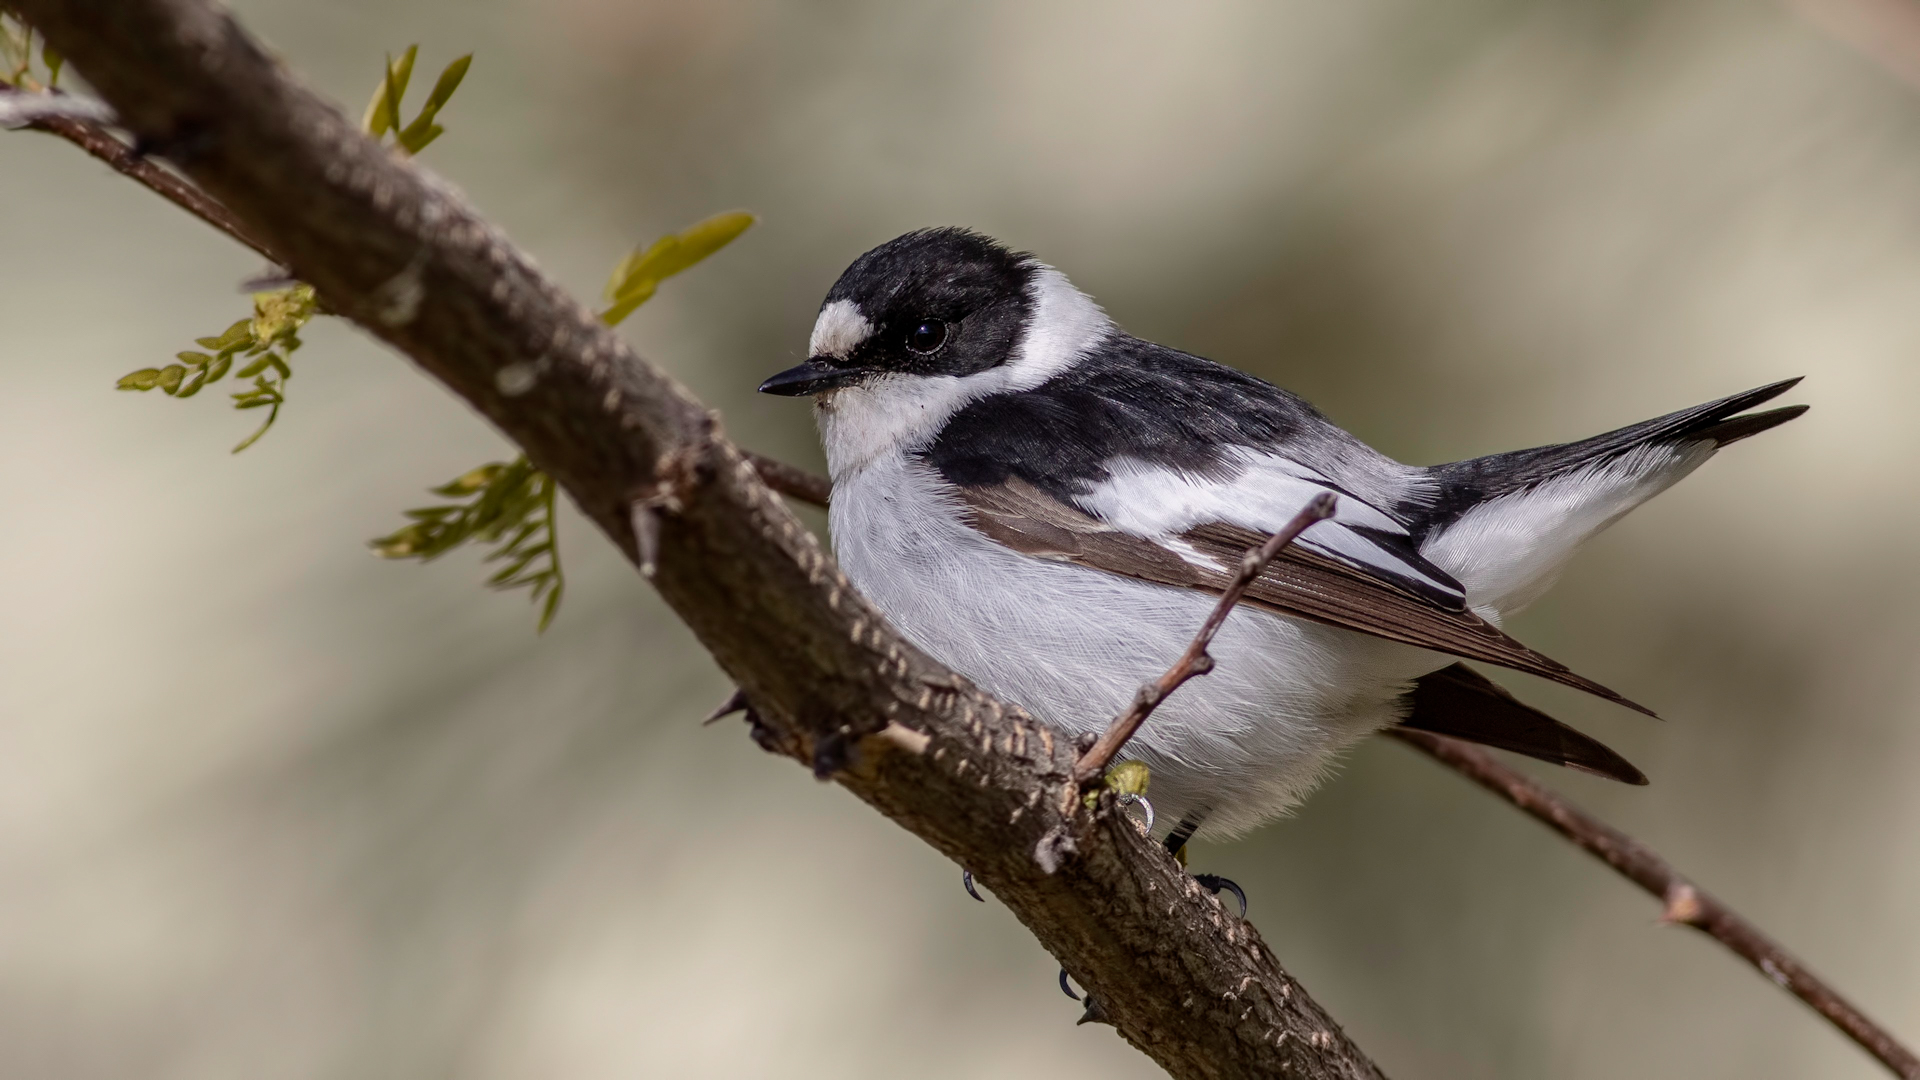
{"points": [[1308, 581], [1460, 702], [1260, 490]]}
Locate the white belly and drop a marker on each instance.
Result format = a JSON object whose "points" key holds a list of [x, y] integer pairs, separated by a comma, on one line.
{"points": [[1072, 645]]}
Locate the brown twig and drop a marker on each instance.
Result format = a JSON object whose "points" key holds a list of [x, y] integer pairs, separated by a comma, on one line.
{"points": [[792, 482], [103, 144], [1196, 660], [1684, 902]]}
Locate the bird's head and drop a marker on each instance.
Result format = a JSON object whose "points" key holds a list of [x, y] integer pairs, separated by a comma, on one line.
{"points": [[924, 324], [937, 302]]}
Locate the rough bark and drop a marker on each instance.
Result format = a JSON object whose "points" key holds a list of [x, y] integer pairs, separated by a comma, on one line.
{"points": [[400, 253]]}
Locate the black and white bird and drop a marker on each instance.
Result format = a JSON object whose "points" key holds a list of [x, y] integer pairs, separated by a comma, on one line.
{"points": [[1051, 507]]}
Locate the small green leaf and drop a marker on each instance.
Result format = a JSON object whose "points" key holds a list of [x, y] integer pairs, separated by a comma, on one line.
{"points": [[469, 482], [193, 385], [423, 130], [52, 57], [144, 379], [627, 304], [509, 506], [416, 142], [255, 368], [704, 238], [238, 335], [170, 377], [383, 112], [255, 437], [193, 359], [219, 367], [444, 87], [280, 366], [640, 273]]}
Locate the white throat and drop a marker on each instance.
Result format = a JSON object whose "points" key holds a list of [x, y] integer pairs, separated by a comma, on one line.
{"points": [[896, 414]]}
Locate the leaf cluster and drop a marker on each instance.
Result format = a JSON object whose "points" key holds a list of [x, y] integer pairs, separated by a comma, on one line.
{"points": [[498, 500], [16, 56], [506, 504], [265, 343], [383, 112], [269, 338]]}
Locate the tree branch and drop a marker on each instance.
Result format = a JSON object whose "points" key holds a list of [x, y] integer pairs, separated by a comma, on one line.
{"points": [[830, 683], [1685, 903]]}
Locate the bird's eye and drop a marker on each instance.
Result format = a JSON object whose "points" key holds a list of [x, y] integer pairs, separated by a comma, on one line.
{"points": [[927, 335]]}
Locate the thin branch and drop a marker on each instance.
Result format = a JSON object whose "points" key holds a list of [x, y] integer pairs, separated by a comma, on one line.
{"points": [[1685, 902], [832, 684], [791, 481], [102, 143], [1196, 660]]}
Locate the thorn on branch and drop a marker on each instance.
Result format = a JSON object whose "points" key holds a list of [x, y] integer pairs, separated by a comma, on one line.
{"points": [[736, 702], [1196, 660]]}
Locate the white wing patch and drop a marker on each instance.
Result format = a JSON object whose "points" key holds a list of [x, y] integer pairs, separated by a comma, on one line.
{"points": [[1264, 492], [1509, 550]]}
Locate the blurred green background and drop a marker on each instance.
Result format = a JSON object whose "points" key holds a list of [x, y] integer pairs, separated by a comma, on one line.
{"points": [[272, 808]]}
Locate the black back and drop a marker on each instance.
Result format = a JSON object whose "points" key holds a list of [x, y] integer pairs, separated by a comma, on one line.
{"points": [[1134, 399]]}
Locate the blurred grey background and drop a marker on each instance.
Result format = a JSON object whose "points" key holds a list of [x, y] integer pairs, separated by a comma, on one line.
{"points": [[271, 808]]}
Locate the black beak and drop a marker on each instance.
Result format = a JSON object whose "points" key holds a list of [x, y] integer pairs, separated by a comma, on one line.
{"points": [[816, 376]]}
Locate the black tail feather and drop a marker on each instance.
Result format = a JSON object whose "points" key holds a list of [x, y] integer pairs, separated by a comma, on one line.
{"points": [[1740, 427], [1465, 704], [1466, 484]]}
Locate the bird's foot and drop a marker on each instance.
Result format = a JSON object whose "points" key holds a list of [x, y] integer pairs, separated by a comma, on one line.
{"points": [[1214, 884], [1176, 842]]}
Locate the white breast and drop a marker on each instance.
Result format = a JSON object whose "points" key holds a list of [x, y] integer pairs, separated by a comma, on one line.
{"points": [[1072, 645]]}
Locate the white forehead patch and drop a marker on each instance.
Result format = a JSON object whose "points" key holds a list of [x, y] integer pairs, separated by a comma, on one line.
{"points": [[839, 330]]}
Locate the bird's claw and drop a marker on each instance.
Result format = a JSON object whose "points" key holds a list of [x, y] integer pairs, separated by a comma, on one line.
{"points": [[1213, 883], [966, 881]]}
